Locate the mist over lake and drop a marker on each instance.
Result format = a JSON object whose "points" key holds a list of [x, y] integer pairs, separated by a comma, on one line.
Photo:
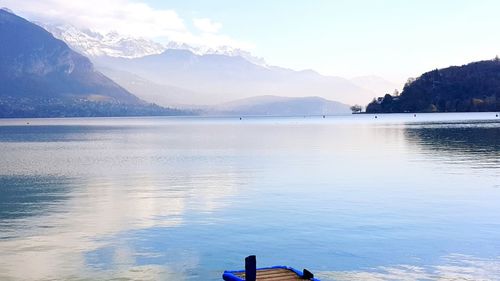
{"points": [[179, 198]]}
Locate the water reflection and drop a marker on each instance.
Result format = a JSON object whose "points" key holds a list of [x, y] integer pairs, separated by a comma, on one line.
{"points": [[59, 133], [57, 240], [184, 200], [452, 267], [116, 180], [472, 143], [21, 198]]}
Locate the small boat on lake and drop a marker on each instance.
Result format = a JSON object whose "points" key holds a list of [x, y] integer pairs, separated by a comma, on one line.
{"points": [[274, 273]]}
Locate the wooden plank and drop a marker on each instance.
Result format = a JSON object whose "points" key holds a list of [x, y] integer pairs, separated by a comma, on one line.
{"points": [[274, 274]]}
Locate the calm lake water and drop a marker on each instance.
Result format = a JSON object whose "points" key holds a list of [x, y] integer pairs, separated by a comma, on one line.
{"points": [[350, 198]]}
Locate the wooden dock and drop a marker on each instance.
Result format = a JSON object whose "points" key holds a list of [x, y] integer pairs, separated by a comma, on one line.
{"points": [[273, 274]]}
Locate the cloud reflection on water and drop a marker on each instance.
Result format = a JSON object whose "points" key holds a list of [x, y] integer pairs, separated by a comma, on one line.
{"points": [[130, 181], [454, 267], [54, 246]]}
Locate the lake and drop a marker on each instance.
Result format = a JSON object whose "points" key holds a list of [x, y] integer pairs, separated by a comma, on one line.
{"points": [[397, 197]]}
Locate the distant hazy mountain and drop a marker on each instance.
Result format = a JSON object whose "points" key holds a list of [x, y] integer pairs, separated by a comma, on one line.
{"points": [[376, 84], [280, 106], [471, 87], [261, 105], [160, 94], [222, 78], [180, 74], [42, 76]]}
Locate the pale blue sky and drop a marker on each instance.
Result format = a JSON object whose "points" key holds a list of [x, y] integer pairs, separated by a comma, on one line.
{"points": [[393, 39], [389, 38]]}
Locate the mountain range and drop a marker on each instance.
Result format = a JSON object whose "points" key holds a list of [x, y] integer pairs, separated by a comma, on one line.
{"points": [[221, 78], [62, 70], [210, 75], [94, 44], [279, 106], [40, 76], [91, 43]]}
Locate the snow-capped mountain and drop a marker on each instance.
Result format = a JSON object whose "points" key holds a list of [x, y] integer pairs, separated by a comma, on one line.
{"points": [[95, 44], [224, 50]]}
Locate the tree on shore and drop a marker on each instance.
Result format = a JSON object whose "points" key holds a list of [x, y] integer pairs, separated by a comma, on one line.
{"points": [[356, 108]]}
